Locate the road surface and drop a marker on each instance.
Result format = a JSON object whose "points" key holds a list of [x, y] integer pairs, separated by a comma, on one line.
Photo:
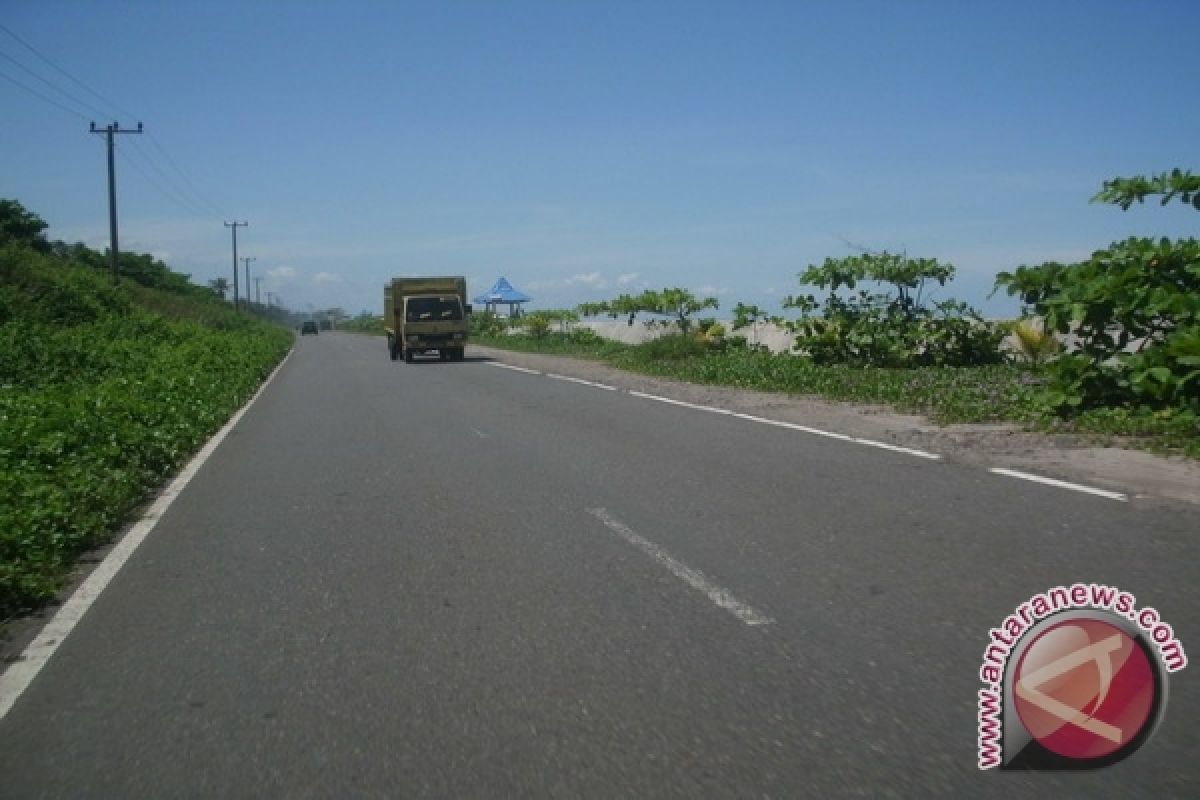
{"points": [[461, 580]]}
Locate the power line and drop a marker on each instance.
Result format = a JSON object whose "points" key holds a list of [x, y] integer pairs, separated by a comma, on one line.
{"points": [[165, 190], [172, 184], [178, 169], [71, 77], [38, 94], [56, 88]]}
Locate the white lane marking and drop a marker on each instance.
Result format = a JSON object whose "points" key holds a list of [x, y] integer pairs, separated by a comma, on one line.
{"points": [[558, 377], [829, 434], [512, 367], [696, 406], [1025, 476], [20, 674], [480, 434], [793, 426], [692, 577]]}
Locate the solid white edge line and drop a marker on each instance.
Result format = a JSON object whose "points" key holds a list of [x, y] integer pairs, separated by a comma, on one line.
{"points": [[512, 367], [832, 435], [593, 384], [669, 400], [16, 679], [692, 577], [1026, 476], [842, 437], [898, 449]]}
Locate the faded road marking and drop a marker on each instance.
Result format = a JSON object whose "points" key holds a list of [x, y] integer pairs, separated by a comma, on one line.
{"points": [[512, 367], [558, 377], [692, 577]]}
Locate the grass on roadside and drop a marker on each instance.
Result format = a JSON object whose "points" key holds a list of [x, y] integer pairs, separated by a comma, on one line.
{"points": [[1003, 393]]}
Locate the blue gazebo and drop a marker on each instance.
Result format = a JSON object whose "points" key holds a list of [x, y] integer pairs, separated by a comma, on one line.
{"points": [[503, 293]]}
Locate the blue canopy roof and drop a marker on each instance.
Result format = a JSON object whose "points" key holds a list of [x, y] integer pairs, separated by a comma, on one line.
{"points": [[503, 292]]}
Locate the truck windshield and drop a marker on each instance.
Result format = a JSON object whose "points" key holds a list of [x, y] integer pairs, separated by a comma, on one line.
{"points": [[428, 309]]}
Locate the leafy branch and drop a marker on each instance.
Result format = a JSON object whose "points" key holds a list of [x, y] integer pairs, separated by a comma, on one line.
{"points": [[1176, 183]]}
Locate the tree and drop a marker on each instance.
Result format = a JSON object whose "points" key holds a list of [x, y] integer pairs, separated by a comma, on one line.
{"points": [[745, 316], [1134, 308], [18, 224], [677, 304], [220, 287], [1176, 183], [893, 325]]}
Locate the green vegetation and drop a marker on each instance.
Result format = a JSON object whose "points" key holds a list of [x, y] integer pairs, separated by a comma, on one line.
{"points": [[675, 304], [996, 393], [893, 324], [366, 322], [1134, 308], [974, 394], [104, 391], [1176, 183]]}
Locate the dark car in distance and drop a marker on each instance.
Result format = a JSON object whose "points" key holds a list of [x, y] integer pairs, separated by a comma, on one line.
{"points": [[309, 326]]}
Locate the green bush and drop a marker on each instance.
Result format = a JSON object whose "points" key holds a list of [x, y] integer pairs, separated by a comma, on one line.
{"points": [[1134, 309], [890, 327], [103, 394]]}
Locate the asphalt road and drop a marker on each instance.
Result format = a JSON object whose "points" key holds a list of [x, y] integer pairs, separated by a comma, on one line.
{"points": [[456, 580]]}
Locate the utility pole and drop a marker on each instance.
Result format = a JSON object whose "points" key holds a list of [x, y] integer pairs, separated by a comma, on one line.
{"points": [[235, 225], [108, 131], [257, 283], [246, 262], [269, 293]]}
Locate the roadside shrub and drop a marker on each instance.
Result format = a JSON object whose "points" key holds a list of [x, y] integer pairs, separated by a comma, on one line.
{"points": [[1134, 308], [537, 325], [893, 324], [672, 347], [1033, 342], [487, 323], [102, 396]]}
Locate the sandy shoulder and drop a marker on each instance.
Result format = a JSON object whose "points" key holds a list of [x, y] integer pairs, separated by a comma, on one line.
{"points": [[1143, 476]]}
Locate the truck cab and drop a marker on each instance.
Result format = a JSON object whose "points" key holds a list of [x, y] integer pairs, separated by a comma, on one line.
{"points": [[425, 315]]}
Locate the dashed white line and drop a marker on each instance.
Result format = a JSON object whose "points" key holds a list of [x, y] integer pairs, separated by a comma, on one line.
{"points": [[603, 386], [830, 434], [724, 411], [1078, 487], [21, 673], [673, 402], [513, 367], [793, 426], [692, 577]]}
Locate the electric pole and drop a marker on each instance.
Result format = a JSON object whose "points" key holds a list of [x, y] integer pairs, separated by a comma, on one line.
{"points": [[108, 131], [257, 283], [246, 261], [234, 226]]}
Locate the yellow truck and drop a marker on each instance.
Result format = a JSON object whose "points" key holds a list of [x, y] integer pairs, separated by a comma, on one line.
{"points": [[425, 315]]}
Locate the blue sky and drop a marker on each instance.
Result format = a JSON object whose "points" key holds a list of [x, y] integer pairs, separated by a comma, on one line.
{"points": [[583, 149]]}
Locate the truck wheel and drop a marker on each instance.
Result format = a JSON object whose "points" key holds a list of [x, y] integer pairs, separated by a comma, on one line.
{"points": [[408, 356], [443, 355], [459, 353]]}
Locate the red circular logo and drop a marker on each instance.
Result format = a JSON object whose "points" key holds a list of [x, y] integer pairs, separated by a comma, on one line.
{"points": [[1084, 689]]}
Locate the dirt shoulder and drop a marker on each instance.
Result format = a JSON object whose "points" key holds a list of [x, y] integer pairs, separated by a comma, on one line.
{"points": [[1143, 476]]}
